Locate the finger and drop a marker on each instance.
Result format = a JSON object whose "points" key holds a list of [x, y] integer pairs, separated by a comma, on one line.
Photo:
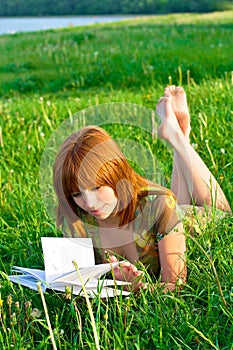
{"points": [[112, 258]]}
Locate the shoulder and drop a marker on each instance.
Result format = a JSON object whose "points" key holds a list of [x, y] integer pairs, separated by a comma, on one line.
{"points": [[160, 206], [154, 190], [158, 196]]}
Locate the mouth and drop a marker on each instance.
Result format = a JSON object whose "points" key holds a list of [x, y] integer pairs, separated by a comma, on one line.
{"points": [[96, 212]]}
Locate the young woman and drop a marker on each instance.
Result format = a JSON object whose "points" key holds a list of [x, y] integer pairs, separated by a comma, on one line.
{"points": [[102, 197]]}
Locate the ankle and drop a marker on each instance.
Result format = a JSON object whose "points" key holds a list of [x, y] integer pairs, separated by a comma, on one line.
{"points": [[179, 141]]}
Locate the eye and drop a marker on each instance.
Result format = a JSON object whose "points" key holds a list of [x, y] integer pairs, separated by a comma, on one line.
{"points": [[96, 188], [75, 195]]}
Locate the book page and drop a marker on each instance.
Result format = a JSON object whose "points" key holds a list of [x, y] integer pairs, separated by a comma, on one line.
{"points": [[104, 292], [93, 284], [39, 275], [87, 273], [27, 281], [60, 252]]}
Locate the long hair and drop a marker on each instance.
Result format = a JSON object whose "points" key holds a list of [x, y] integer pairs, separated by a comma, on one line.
{"points": [[90, 158]]}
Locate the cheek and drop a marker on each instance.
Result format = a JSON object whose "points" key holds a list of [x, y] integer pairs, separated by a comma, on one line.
{"points": [[107, 195], [79, 201]]}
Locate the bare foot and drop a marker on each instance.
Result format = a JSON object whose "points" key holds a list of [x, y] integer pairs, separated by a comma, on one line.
{"points": [[169, 128], [180, 107], [129, 273]]}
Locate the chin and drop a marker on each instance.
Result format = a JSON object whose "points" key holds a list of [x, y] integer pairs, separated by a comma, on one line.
{"points": [[104, 217]]}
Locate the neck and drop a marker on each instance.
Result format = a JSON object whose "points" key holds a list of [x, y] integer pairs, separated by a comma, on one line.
{"points": [[111, 222]]}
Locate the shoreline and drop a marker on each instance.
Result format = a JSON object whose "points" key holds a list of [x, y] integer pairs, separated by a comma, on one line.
{"points": [[23, 24]]}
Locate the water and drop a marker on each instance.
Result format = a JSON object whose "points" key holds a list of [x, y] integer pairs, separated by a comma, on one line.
{"points": [[11, 25]]}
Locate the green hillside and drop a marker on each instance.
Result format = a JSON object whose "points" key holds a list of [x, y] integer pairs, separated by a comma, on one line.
{"points": [[50, 76]]}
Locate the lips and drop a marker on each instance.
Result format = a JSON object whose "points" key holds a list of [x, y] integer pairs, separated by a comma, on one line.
{"points": [[96, 212]]}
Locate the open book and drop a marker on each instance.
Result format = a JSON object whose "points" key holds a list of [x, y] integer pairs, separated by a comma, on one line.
{"points": [[59, 254]]}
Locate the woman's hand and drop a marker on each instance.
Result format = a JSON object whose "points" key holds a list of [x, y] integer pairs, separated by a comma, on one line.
{"points": [[129, 273]]}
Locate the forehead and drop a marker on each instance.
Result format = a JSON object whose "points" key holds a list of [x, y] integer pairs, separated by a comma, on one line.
{"points": [[81, 182], [88, 171]]}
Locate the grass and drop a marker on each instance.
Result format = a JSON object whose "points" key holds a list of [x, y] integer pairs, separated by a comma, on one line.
{"points": [[49, 76]]}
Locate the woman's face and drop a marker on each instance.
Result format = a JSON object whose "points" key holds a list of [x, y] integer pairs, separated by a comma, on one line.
{"points": [[98, 201]]}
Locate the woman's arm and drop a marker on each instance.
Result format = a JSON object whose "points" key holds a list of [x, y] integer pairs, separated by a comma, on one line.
{"points": [[172, 258]]}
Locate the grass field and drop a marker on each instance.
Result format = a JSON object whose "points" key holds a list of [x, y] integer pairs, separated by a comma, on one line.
{"points": [[48, 76]]}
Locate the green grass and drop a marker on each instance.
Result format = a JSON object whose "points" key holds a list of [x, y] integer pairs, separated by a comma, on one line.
{"points": [[48, 76]]}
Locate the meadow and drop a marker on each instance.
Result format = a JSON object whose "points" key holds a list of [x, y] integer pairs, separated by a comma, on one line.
{"points": [[46, 77]]}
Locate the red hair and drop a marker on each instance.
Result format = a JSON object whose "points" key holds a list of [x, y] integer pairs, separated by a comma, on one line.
{"points": [[90, 158]]}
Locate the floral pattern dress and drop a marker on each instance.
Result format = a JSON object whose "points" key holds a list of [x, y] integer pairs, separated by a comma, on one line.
{"points": [[156, 216]]}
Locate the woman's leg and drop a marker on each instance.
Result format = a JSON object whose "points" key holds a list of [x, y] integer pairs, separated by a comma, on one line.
{"points": [[192, 181], [179, 184]]}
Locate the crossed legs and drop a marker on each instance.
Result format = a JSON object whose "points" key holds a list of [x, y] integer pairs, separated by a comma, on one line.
{"points": [[192, 181]]}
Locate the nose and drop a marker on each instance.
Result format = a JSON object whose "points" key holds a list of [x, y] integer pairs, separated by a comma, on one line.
{"points": [[89, 198]]}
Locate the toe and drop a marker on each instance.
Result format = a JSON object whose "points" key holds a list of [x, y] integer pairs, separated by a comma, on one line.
{"points": [[179, 89], [167, 92], [161, 105], [172, 89]]}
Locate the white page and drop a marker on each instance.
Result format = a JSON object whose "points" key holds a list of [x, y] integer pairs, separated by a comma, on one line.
{"points": [[90, 284], [105, 292], [91, 288], [105, 283], [60, 252], [27, 281], [39, 275], [92, 272]]}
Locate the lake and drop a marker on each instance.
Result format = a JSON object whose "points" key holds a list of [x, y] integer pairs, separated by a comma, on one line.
{"points": [[11, 25]]}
